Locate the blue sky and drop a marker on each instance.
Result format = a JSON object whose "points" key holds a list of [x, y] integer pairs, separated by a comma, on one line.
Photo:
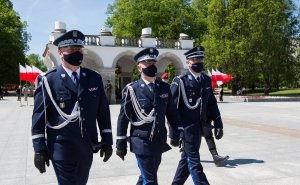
{"points": [[87, 16]]}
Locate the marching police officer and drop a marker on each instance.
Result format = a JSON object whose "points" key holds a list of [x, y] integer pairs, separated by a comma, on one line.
{"points": [[67, 105], [193, 96], [145, 103], [210, 141]]}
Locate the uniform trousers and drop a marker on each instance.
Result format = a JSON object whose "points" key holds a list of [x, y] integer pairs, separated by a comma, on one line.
{"points": [[148, 166], [72, 172], [210, 141], [189, 164]]}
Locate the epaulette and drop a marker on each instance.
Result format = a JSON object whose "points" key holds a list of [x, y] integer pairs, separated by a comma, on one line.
{"points": [[51, 71], [175, 81], [87, 69], [131, 83]]}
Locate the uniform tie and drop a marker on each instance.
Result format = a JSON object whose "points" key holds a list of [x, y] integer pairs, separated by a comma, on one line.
{"points": [[151, 87], [75, 78], [198, 79]]}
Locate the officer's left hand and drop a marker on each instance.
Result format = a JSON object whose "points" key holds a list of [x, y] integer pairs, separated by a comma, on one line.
{"points": [[218, 133], [106, 151]]}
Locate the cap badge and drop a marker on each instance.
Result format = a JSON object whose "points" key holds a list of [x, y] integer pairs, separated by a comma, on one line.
{"points": [[151, 50], [74, 33]]}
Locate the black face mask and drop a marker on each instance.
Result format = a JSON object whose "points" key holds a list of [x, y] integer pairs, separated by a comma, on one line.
{"points": [[74, 59], [198, 67], [150, 71]]}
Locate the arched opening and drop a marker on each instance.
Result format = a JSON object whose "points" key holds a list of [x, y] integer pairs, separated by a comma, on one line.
{"points": [[124, 64], [166, 59]]}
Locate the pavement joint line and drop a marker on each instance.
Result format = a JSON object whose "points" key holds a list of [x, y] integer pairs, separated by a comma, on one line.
{"points": [[262, 127]]}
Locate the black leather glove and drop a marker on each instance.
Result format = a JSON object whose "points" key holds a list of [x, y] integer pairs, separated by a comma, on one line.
{"points": [[181, 144], [40, 159], [106, 151], [174, 142], [121, 153], [218, 133]]}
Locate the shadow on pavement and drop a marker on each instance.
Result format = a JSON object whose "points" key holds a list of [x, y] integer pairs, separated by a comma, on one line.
{"points": [[236, 162]]}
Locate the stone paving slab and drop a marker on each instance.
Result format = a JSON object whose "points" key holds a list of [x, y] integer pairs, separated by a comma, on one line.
{"points": [[261, 138]]}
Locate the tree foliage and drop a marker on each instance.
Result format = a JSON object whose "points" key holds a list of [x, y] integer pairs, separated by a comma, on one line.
{"points": [[167, 18], [35, 60], [13, 43], [253, 40]]}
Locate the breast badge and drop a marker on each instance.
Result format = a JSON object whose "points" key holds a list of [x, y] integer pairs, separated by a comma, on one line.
{"points": [[62, 105]]}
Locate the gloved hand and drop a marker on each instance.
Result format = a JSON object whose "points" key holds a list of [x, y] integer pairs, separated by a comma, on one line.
{"points": [[121, 153], [106, 151], [174, 142], [181, 144], [40, 159], [218, 133]]}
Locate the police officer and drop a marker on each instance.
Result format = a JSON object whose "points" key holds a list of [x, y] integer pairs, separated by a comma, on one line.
{"points": [[209, 138], [145, 103], [193, 96], [67, 105]]}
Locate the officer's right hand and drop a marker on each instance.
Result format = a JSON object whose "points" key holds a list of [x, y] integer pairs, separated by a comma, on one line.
{"points": [[40, 159], [174, 142], [121, 153]]}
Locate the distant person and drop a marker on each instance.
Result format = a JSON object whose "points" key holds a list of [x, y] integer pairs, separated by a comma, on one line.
{"points": [[221, 92], [19, 92], [25, 91], [108, 90], [1, 93], [69, 108]]}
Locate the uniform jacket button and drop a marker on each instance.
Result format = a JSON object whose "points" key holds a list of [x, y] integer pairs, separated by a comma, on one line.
{"points": [[83, 119]]}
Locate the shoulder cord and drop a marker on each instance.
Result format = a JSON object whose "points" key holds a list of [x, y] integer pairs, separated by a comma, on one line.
{"points": [[74, 116], [142, 116], [181, 87]]}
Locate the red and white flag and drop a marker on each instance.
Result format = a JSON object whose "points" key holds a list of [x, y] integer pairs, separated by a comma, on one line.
{"points": [[35, 72], [29, 74], [218, 78], [22, 73]]}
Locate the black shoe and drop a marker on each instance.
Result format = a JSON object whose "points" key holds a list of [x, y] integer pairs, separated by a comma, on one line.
{"points": [[219, 159]]}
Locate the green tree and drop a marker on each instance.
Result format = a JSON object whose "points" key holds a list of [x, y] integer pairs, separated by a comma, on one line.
{"points": [[35, 60], [251, 40], [167, 18], [13, 43]]}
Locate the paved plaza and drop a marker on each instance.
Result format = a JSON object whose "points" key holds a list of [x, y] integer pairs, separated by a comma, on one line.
{"points": [[261, 138]]}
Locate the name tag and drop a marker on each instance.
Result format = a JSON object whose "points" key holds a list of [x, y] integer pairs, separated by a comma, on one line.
{"points": [[93, 89], [164, 95]]}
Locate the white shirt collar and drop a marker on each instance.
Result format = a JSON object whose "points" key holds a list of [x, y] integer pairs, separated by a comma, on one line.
{"points": [[69, 72], [147, 82], [195, 75]]}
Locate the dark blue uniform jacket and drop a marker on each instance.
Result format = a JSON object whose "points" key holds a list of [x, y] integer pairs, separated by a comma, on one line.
{"points": [[193, 122], [68, 143], [139, 135]]}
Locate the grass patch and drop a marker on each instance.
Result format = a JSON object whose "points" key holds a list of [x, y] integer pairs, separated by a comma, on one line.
{"points": [[281, 92]]}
